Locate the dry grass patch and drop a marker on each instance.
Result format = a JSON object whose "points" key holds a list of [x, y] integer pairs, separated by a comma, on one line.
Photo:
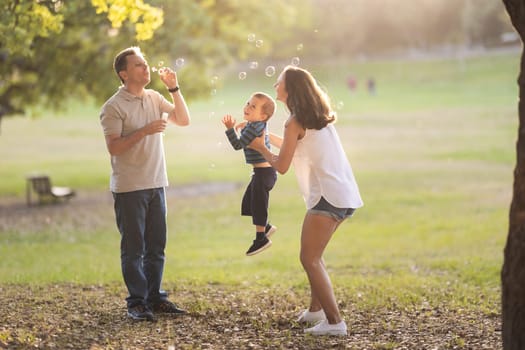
{"points": [[69, 316]]}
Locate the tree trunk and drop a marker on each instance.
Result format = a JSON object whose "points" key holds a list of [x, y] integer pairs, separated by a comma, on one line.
{"points": [[513, 271]]}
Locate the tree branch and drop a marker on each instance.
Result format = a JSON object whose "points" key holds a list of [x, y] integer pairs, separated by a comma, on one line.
{"points": [[516, 10]]}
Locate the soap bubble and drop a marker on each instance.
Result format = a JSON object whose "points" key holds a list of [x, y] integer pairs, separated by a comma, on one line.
{"points": [[254, 65], [339, 105], [179, 62], [160, 64], [213, 92], [242, 75], [295, 61], [251, 37], [214, 80], [259, 43], [269, 71], [300, 47], [153, 69]]}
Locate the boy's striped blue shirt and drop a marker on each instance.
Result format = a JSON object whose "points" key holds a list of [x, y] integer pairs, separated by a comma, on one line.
{"points": [[250, 131]]}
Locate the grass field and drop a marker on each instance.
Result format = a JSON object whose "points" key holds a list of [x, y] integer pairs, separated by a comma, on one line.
{"points": [[433, 153]]}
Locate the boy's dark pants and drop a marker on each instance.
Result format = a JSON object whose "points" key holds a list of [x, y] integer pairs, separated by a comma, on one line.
{"points": [[256, 197]]}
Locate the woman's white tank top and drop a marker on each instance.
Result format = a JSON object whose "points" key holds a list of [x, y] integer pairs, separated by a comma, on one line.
{"points": [[322, 169]]}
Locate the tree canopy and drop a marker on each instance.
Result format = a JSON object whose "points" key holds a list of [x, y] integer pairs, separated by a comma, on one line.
{"points": [[54, 50], [145, 17], [48, 48]]}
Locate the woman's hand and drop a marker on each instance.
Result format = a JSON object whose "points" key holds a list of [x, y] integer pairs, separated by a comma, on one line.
{"points": [[258, 144], [239, 126], [288, 143]]}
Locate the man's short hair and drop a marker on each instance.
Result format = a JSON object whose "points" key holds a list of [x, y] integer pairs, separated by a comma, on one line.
{"points": [[120, 62]]}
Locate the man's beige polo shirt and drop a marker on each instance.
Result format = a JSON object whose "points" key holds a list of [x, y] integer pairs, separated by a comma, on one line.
{"points": [[144, 165]]}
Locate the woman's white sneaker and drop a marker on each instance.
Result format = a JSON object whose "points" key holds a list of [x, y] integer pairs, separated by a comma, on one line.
{"points": [[311, 317], [325, 328]]}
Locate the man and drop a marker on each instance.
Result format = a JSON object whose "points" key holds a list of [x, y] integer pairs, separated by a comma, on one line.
{"points": [[133, 126]]}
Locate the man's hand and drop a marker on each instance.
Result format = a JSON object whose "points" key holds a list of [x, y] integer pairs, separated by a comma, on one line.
{"points": [[155, 126], [168, 77]]}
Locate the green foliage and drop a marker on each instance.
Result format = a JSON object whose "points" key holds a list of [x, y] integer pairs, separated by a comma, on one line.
{"points": [[65, 49], [145, 17], [23, 21], [56, 48], [59, 65]]}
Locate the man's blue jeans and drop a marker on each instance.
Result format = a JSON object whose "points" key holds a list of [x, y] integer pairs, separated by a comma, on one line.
{"points": [[141, 220]]}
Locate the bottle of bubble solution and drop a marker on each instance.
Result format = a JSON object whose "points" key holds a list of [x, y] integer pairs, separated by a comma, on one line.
{"points": [[164, 116]]}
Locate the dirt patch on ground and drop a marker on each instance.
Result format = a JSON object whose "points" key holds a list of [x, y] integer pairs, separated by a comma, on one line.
{"points": [[16, 215], [70, 316], [15, 203]]}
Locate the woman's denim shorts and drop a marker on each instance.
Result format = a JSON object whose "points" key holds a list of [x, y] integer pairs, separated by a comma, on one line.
{"points": [[327, 209]]}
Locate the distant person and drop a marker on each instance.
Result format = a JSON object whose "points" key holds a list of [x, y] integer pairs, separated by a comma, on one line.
{"points": [[326, 182], [371, 86], [259, 108], [351, 82], [133, 125]]}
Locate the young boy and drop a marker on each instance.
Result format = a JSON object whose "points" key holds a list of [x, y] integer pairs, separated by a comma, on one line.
{"points": [[257, 111]]}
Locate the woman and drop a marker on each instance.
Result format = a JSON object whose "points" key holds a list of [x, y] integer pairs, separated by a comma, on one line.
{"points": [[327, 183]]}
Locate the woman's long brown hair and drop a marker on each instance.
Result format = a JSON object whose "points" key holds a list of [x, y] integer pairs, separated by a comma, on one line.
{"points": [[307, 102]]}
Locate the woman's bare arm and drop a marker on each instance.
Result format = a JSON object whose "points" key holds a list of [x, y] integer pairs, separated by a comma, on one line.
{"points": [[275, 140], [282, 161]]}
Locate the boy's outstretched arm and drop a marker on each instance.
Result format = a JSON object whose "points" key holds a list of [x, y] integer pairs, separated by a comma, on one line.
{"points": [[229, 123]]}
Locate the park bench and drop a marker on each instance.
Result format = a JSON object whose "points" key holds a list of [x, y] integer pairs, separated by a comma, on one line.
{"points": [[46, 193]]}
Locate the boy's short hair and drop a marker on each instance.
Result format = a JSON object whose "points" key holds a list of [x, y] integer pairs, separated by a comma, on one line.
{"points": [[268, 107], [120, 62]]}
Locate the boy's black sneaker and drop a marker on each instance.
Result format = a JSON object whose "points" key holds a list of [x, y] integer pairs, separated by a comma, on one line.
{"points": [[167, 307], [269, 230], [259, 245], [140, 313]]}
